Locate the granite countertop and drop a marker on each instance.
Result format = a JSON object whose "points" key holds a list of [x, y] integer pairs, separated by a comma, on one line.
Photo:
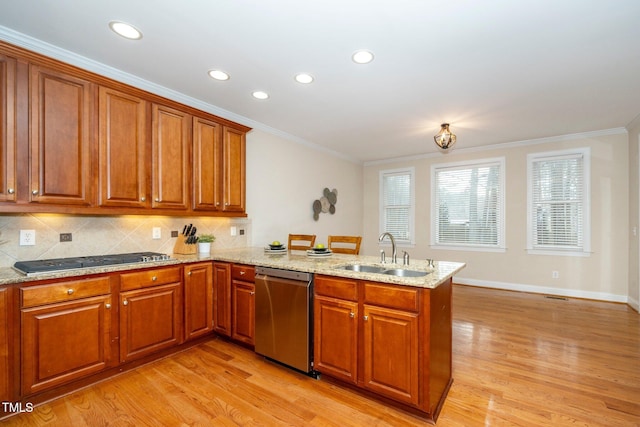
{"points": [[300, 261]]}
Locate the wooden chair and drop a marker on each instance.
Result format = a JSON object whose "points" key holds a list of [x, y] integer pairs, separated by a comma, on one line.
{"points": [[346, 244], [310, 240]]}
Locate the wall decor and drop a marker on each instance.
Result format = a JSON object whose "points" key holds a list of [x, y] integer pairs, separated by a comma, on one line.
{"points": [[326, 203]]}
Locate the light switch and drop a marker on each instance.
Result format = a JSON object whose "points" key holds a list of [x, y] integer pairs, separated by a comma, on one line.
{"points": [[234, 231], [157, 233]]}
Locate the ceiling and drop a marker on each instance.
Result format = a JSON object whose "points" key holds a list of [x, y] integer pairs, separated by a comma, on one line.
{"points": [[498, 70]]}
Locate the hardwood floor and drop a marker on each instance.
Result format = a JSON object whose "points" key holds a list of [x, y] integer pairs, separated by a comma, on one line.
{"points": [[519, 360]]}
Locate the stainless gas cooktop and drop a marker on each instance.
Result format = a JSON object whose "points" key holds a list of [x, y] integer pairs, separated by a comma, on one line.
{"points": [[40, 266]]}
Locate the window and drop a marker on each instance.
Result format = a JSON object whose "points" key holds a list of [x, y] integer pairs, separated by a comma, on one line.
{"points": [[397, 204], [468, 205], [558, 202]]}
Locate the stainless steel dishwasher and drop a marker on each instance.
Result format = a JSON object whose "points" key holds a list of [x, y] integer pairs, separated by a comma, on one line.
{"points": [[284, 326]]}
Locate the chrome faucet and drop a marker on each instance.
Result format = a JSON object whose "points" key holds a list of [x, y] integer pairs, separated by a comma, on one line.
{"points": [[394, 254]]}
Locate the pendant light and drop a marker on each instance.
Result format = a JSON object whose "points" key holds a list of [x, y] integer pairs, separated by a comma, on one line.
{"points": [[445, 139]]}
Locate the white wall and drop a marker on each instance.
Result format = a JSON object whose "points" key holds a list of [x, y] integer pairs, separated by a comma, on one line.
{"points": [[603, 275], [634, 214], [283, 180]]}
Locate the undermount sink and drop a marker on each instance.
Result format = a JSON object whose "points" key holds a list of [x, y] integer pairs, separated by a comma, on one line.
{"points": [[401, 272], [363, 268]]}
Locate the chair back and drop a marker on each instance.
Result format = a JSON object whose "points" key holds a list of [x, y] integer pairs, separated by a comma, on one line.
{"points": [[301, 242], [345, 244]]}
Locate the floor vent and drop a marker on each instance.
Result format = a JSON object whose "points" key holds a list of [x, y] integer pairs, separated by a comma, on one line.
{"points": [[556, 297]]}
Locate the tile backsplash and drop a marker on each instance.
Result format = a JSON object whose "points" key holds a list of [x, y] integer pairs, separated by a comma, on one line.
{"points": [[100, 235]]}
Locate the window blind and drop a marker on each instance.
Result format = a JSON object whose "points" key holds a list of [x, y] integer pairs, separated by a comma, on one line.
{"points": [[469, 205], [397, 204], [557, 202]]}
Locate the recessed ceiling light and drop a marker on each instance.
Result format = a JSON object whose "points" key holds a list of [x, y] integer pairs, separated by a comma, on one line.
{"points": [[125, 30], [218, 75], [362, 57], [304, 78], [260, 94]]}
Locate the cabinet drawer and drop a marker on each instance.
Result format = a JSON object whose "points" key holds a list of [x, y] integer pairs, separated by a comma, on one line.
{"points": [[145, 279], [33, 296], [400, 297], [243, 272], [336, 288]]}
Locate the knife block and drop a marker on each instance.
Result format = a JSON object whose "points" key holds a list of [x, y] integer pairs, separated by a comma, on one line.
{"points": [[182, 248]]}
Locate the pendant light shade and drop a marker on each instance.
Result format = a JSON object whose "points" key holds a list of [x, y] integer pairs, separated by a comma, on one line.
{"points": [[445, 139]]}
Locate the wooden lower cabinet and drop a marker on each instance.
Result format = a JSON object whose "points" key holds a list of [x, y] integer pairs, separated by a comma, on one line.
{"points": [[243, 312], [198, 299], [150, 320], [222, 298], [392, 340], [67, 339], [5, 374]]}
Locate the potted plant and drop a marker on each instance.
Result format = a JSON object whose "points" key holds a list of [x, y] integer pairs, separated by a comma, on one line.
{"points": [[204, 243]]}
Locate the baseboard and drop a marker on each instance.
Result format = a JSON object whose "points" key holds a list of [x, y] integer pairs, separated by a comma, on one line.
{"points": [[633, 303], [520, 287]]}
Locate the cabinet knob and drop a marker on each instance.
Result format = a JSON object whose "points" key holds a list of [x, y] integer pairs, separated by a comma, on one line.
{"points": [[34, 192], [143, 199], [365, 318], [242, 272], [352, 315], [107, 305], [154, 278], [157, 199], [226, 203], [125, 302], [69, 291], [11, 191], [217, 203], [252, 293], [189, 274]]}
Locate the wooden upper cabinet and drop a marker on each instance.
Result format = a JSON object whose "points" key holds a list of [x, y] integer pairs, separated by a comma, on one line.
{"points": [[171, 143], [7, 129], [207, 165], [234, 169], [123, 153], [60, 111]]}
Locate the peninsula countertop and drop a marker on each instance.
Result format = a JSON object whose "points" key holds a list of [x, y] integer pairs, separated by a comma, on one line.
{"points": [[257, 256]]}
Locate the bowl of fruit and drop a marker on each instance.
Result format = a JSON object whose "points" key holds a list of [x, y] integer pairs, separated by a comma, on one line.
{"points": [[276, 245]]}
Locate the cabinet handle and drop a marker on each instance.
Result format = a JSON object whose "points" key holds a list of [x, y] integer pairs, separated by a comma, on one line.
{"points": [[365, 318], [125, 302], [107, 305], [242, 272], [34, 192], [69, 291], [143, 199], [11, 191], [252, 293], [352, 315], [157, 199], [154, 278], [226, 203], [217, 203], [189, 274]]}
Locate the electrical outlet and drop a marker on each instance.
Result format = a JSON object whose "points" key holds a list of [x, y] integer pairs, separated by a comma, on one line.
{"points": [[156, 233], [555, 274], [234, 231], [174, 233], [65, 237], [242, 231], [27, 237]]}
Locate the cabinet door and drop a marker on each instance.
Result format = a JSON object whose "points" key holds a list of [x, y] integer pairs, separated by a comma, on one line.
{"points": [[150, 320], [123, 155], [234, 170], [171, 144], [390, 353], [222, 298], [198, 299], [61, 107], [7, 129], [5, 391], [336, 337], [243, 312], [207, 165], [64, 342]]}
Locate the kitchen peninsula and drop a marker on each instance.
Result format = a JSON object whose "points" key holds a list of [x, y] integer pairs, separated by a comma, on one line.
{"points": [[397, 329]]}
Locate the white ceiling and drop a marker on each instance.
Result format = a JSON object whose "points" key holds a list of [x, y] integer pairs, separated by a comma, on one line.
{"points": [[497, 70]]}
